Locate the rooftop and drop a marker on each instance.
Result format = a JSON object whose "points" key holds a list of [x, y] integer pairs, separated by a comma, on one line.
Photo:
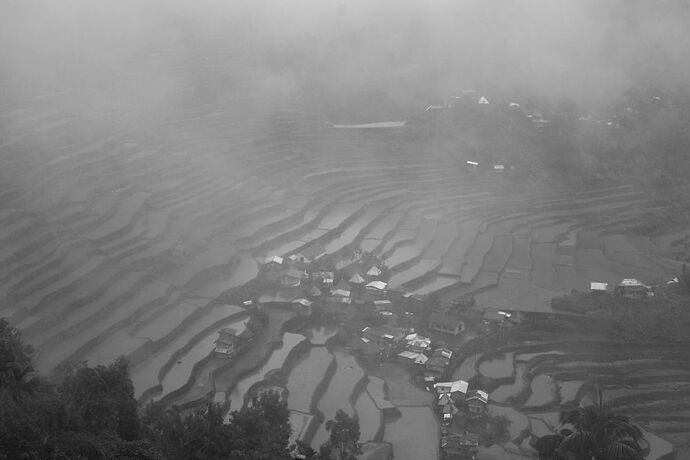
{"points": [[380, 285]]}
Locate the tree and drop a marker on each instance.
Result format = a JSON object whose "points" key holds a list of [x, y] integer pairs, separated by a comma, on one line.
{"points": [[265, 427], [16, 372], [343, 443], [547, 446], [599, 434], [101, 399]]}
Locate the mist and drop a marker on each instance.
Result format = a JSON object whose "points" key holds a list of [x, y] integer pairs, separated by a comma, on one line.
{"points": [[351, 202], [340, 56]]}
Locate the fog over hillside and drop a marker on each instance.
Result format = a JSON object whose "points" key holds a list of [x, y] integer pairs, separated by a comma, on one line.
{"points": [[366, 205], [341, 55]]}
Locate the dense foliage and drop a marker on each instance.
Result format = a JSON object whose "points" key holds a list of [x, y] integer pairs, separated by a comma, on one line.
{"points": [[598, 434], [343, 442], [91, 413]]}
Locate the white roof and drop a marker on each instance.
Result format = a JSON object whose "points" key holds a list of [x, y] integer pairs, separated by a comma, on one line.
{"points": [[276, 259], [472, 163], [374, 271], [222, 348], [483, 396], [631, 282], [341, 293], [418, 358], [357, 278], [458, 385], [596, 286], [365, 340], [305, 302], [380, 285], [383, 302], [513, 104], [420, 342], [483, 101], [499, 167]]}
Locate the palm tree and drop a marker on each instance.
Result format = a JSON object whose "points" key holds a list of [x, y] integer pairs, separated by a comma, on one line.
{"points": [[600, 434]]}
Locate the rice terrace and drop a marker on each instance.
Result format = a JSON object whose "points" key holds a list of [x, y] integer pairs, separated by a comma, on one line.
{"points": [[242, 240]]}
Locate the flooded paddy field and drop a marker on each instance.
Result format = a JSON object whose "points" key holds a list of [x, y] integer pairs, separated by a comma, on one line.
{"points": [[649, 382], [136, 262]]}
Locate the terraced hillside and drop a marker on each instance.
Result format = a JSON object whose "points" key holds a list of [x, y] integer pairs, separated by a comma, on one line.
{"points": [[129, 239], [532, 383]]}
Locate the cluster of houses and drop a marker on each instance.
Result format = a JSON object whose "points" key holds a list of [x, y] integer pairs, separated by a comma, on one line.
{"points": [[451, 398], [628, 287], [460, 445], [408, 347], [324, 289], [472, 103], [473, 166]]}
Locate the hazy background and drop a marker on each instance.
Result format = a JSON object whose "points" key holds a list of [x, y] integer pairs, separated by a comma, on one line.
{"points": [[345, 59]]}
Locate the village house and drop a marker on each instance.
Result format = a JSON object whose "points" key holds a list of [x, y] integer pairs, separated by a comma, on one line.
{"points": [[472, 166], [439, 362], [446, 407], [294, 259], [273, 260], [326, 278], [456, 390], [388, 316], [630, 287], [598, 288], [311, 253], [384, 334], [292, 277], [383, 305], [416, 343], [302, 306], [477, 402], [376, 287], [501, 317], [411, 357], [445, 323], [273, 268], [342, 293], [343, 286], [435, 107], [230, 341], [374, 271], [337, 301], [356, 279], [460, 446]]}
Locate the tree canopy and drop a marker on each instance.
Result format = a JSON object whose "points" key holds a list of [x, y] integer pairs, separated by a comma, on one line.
{"points": [[91, 413], [343, 442], [598, 434]]}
